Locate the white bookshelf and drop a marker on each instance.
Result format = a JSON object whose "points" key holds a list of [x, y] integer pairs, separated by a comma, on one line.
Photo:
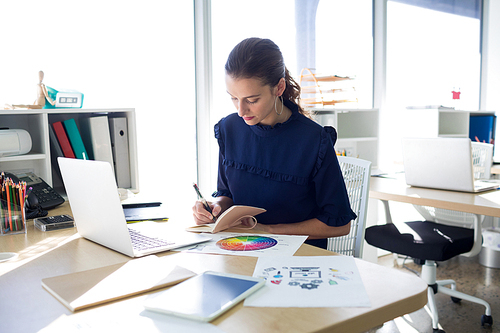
{"points": [[37, 122], [439, 122], [357, 130]]}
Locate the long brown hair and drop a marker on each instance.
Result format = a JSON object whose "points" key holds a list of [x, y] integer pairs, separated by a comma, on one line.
{"points": [[261, 58]]}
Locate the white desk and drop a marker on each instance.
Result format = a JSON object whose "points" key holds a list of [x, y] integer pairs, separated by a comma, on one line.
{"points": [[388, 189], [26, 307]]}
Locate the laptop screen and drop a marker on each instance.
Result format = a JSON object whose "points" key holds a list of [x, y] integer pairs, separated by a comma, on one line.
{"points": [[442, 163]]}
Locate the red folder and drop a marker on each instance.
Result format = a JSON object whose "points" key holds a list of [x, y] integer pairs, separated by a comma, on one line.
{"points": [[63, 139]]}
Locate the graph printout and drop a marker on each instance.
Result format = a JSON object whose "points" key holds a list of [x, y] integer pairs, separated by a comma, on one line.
{"points": [[327, 281]]}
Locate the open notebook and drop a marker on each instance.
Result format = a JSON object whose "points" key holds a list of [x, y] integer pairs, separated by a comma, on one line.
{"points": [[442, 163], [99, 217]]}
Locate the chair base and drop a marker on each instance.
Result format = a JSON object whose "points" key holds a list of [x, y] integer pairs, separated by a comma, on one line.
{"points": [[429, 276]]}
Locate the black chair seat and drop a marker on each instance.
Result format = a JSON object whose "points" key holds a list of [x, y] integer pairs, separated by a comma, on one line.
{"points": [[437, 242]]}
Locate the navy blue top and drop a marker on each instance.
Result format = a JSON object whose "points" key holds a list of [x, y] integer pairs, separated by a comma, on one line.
{"points": [[291, 170]]}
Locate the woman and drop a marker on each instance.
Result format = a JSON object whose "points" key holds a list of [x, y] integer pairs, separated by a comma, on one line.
{"points": [[273, 156]]}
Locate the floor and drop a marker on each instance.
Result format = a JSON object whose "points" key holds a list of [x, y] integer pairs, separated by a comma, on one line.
{"points": [[471, 278]]}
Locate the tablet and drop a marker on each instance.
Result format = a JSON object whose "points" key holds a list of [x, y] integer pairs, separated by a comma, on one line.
{"points": [[205, 296]]}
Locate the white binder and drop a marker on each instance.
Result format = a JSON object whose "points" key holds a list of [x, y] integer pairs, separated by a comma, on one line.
{"points": [[119, 143], [95, 133]]}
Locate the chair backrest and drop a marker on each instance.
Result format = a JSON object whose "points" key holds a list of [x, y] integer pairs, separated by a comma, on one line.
{"points": [[446, 216], [482, 159], [356, 174]]}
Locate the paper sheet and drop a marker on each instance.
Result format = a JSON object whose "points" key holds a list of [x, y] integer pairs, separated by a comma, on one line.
{"points": [[252, 245], [329, 281]]}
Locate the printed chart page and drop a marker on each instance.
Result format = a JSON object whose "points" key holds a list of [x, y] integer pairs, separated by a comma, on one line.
{"points": [[329, 281]]}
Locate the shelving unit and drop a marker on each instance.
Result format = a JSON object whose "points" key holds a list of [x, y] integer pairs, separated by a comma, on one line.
{"points": [[37, 122], [357, 130], [439, 122], [325, 90]]}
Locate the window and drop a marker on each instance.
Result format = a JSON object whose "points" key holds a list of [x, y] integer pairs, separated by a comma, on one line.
{"points": [[433, 48], [118, 54], [233, 21], [344, 45]]}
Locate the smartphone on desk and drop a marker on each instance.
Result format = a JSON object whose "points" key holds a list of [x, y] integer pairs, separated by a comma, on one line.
{"points": [[54, 222], [45, 195]]}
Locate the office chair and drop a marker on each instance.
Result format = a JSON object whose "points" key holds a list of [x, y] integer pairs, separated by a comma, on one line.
{"points": [[356, 173], [482, 159], [443, 235]]}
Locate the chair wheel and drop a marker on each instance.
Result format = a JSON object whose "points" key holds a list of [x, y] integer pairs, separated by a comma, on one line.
{"points": [[455, 300], [486, 320]]}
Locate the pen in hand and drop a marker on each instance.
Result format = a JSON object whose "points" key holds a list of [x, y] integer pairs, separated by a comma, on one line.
{"points": [[202, 199]]}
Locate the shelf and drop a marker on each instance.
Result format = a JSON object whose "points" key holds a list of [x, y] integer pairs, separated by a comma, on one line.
{"points": [[357, 130], [367, 139], [322, 78], [330, 110], [37, 123], [332, 102], [325, 90], [314, 90], [30, 156], [439, 122], [453, 135]]}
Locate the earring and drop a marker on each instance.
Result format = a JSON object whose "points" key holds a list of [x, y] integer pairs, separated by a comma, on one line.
{"points": [[275, 108]]}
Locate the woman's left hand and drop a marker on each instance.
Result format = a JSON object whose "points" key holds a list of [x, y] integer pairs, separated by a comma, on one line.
{"points": [[246, 222]]}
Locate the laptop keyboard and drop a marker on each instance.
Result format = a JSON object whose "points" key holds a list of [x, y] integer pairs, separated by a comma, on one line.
{"points": [[141, 242]]}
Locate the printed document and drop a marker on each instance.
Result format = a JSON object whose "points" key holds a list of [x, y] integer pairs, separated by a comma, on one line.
{"points": [[328, 281]]}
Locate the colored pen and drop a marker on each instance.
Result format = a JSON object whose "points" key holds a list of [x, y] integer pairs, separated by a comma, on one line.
{"points": [[9, 206], [202, 199]]}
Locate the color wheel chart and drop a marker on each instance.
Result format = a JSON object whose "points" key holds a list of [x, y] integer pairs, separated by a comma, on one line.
{"points": [[246, 243]]}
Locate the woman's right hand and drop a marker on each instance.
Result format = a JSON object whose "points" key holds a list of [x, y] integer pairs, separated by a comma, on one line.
{"points": [[203, 216]]}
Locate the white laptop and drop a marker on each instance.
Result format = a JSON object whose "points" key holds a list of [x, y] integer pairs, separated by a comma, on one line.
{"points": [[442, 163], [99, 217]]}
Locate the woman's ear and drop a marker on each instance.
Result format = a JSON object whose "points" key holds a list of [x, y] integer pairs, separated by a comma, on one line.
{"points": [[280, 87]]}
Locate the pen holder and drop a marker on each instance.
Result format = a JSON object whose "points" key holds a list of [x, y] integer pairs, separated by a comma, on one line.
{"points": [[12, 218]]}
